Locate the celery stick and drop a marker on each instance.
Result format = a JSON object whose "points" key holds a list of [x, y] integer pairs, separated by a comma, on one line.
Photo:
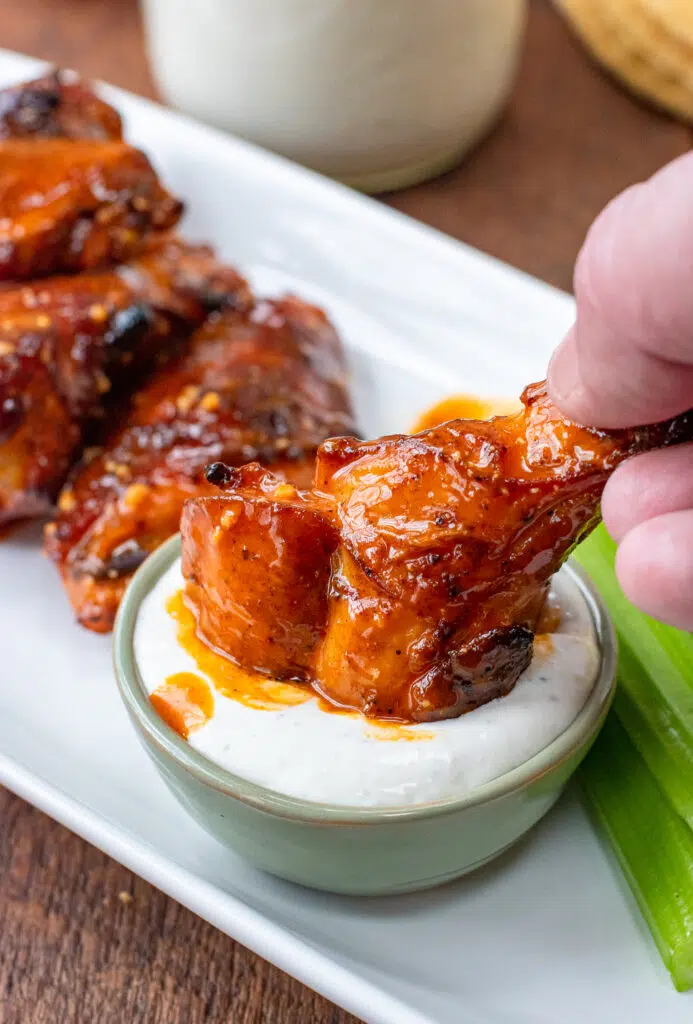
{"points": [[655, 730], [678, 645], [666, 654], [655, 697], [652, 843]]}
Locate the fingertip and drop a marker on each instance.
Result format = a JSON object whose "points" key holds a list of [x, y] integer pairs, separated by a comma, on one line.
{"points": [[562, 376], [614, 512], [646, 487], [626, 501], [654, 566], [565, 383]]}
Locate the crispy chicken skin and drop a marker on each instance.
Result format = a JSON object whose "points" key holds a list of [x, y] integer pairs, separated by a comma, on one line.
{"points": [[69, 345], [67, 206], [407, 584], [260, 527], [58, 105], [267, 384]]}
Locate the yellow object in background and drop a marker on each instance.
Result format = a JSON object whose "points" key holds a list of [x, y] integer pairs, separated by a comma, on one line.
{"points": [[648, 44]]}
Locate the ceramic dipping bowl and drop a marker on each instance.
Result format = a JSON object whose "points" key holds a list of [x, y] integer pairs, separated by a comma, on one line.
{"points": [[368, 851]]}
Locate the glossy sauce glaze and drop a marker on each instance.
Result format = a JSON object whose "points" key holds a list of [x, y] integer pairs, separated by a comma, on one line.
{"points": [[71, 349], [59, 105], [72, 205], [282, 736], [261, 380], [249, 688], [408, 582]]}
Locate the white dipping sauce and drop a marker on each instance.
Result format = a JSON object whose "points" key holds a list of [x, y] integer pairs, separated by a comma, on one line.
{"points": [[304, 751], [379, 93]]}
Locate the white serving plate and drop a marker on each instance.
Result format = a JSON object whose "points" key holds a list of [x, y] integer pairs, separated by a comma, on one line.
{"points": [[546, 934]]}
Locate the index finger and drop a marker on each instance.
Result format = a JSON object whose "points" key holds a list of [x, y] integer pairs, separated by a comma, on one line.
{"points": [[628, 360]]}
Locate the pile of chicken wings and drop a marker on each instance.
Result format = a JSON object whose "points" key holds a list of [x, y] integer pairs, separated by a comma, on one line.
{"points": [[129, 358]]}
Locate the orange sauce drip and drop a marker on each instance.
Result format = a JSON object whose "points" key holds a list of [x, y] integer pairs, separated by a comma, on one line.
{"points": [[465, 407], [543, 643], [248, 688], [550, 617], [381, 729], [185, 702]]}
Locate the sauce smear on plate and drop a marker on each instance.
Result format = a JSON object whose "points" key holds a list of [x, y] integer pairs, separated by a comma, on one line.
{"points": [[464, 407], [185, 702]]}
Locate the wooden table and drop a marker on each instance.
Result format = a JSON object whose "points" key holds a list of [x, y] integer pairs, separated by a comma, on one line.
{"points": [[82, 940]]}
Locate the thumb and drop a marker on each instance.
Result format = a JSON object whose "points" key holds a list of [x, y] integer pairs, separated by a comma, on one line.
{"points": [[629, 357]]}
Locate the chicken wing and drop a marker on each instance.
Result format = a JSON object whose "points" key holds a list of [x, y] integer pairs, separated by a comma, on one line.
{"points": [[67, 344], [267, 385], [69, 205], [58, 105], [408, 582]]}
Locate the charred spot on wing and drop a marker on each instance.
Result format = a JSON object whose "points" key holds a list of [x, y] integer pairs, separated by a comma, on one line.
{"points": [[129, 326], [11, 416], [124, 560], [214, 300], [220, 475], [31, 110], [217, 289], [494, 660], [679, 429], [279, 422]]}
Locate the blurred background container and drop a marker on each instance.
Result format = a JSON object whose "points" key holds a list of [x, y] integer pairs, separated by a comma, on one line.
{"points": [[380, 94]]}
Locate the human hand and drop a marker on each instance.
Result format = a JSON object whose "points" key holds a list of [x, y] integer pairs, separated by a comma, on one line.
{"points": [[627, 361]]}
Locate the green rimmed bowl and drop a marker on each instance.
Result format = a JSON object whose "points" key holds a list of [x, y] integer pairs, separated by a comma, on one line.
{"points": [[368, 851]]}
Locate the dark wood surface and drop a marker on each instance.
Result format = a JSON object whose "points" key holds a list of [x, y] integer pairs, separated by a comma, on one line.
{"points": [[82, 940]]}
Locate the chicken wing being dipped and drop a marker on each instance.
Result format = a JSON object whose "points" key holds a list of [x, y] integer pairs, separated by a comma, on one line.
{"points": [[407, 584], [67, 345], [67, 206], [58, 105], [266, 384]]}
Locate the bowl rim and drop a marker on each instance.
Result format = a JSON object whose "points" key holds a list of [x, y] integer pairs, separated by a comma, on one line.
{"points": [[580, 733]]}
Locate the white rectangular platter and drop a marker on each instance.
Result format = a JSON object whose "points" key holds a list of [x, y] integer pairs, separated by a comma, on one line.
{"points": [[546, 934]]}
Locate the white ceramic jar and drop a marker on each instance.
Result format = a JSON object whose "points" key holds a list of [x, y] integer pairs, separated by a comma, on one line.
{"points": [[377, 93]]}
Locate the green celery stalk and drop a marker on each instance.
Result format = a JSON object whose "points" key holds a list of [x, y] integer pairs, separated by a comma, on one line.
{"points": [[654, 700], [665, 654], [657, 732], [652, 843]]}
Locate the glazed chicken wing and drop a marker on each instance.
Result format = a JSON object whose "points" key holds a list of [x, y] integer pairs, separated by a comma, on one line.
{"points": [[58, 105], [267, 385], [67, 206], [67, 345], [408, 582]]}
